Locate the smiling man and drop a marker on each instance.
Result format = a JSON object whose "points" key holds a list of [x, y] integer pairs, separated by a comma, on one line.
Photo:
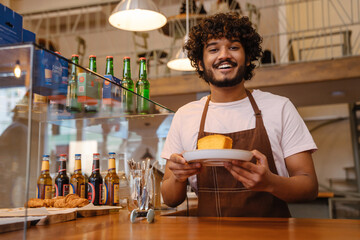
{"points": [[223, 48]]}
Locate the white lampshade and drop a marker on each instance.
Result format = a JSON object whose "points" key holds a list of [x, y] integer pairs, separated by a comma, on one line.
{"points": [[137, 15], [181, 62]]}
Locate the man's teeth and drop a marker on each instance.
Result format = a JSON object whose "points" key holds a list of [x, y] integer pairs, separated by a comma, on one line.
{"points": [[225, 66]]}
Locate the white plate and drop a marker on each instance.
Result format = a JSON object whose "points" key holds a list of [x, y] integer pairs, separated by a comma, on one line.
{"points": [[217, 157]]}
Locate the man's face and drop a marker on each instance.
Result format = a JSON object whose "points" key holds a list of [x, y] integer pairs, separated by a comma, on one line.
{"points": [[223, 62]]}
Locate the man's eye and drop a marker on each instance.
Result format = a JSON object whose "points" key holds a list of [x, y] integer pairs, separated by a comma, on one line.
{"points": [[212, 50], [234, 48]]}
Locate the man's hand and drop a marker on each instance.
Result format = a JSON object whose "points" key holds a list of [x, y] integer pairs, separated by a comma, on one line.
{"points": [[177, 171], [181, 169], [255, 177], [301, 185]]}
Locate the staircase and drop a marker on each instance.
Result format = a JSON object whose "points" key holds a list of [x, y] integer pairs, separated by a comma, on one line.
{"points": [[346, 204], [355, 135]]}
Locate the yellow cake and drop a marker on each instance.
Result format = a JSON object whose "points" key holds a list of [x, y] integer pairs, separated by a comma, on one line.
{"points": [[215, 141]]}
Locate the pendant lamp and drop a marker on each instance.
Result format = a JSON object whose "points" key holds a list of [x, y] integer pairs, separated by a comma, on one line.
{"points": [[181, 62], [137, 15]]}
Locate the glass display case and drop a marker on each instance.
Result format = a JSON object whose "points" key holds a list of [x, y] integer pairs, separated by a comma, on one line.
{"points": [[52, 106]]}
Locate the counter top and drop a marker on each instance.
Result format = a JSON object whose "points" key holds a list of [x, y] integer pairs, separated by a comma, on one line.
{"points": [[118, 226]]}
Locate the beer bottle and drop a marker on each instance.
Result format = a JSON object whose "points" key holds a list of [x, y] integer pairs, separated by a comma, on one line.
{"points": [[72, 104], [92, 63], [143, 89], [127, 82], [62, 180], [124, 190], [109, 70], [111, 183], [44, 182], [95, 182], [77, 181], [92, 107]]}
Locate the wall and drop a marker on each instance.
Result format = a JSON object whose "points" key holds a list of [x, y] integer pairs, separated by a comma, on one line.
{"points": [[335, 151]]}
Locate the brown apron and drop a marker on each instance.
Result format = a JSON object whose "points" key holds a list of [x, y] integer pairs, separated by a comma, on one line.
{"points": [[221, 195]]}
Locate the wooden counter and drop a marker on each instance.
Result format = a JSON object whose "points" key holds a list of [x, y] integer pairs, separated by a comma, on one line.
{"points": [[118, 226]]}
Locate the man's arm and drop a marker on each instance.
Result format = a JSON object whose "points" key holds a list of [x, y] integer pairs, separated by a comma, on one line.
{"points": [[177, 171], [301, 185]]}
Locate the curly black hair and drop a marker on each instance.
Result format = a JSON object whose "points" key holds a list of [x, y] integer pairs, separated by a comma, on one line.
{"points": [[230, 26]]}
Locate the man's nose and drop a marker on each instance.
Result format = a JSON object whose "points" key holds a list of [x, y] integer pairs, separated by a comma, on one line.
{"points": [[224, 53]]}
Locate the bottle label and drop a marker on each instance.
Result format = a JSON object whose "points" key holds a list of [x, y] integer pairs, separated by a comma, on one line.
{"points": [[91, 192], [62, 191], [56, 190], [66, 189], [82, 191], [100, 193], [78, 189], [44, 191], [111, 164], [116, 193], [44, 166], [94, 195], [72, 188], [105, 194]]}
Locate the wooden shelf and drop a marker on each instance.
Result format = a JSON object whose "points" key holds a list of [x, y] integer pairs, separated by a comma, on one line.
{"points": [[307, 83]]}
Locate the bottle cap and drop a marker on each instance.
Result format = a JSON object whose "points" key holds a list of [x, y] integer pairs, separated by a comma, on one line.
{"points": [[63, 155], [74, 55], [46, 155], [92, 56], [142, 58], [77, 155], [111, 153], [96, 154], [126, 57], [109, 56]]}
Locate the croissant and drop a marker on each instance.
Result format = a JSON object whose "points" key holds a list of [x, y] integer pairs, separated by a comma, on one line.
{"points": [[34, 203], [70, 201]]}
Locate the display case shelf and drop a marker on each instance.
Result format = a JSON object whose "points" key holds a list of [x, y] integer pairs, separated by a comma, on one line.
{"points": [[35, 120]]}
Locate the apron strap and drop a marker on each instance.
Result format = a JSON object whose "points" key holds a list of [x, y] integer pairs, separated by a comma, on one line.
{"points": [[253, 104], [206, 107], [203, 117]]}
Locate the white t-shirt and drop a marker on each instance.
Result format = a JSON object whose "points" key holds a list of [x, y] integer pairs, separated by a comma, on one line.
{"points": [[287, 132]]}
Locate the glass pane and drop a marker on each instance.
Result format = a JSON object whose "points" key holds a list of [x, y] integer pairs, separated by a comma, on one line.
{"points": [[15, 62]]}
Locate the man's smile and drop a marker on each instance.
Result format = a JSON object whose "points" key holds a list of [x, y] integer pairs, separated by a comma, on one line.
{"points": [[225, 65]]}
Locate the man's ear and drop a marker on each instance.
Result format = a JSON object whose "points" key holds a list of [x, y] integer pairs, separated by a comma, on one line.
{"points": [[200, 66], [248, 62]]}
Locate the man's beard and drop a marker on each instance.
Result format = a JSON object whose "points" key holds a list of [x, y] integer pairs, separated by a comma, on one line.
{"points": [[227, 82]]}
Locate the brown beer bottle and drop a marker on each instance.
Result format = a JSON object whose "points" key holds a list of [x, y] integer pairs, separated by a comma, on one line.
{"points": [[95, 182], [77, 181], [62, 180], [111, 183], [44, 182]]}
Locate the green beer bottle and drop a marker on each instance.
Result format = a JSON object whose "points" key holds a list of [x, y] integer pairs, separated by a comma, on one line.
{"points": [[109, 70], [92, 106], [127, 82], [143, 89], [72, 104], [92, 63]]}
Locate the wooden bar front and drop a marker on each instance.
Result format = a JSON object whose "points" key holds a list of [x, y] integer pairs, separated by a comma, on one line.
{"points": [[118, 226]]}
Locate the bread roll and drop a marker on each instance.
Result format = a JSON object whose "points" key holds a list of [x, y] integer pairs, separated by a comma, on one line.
{"points": [[215, 141], [70, 201]]}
